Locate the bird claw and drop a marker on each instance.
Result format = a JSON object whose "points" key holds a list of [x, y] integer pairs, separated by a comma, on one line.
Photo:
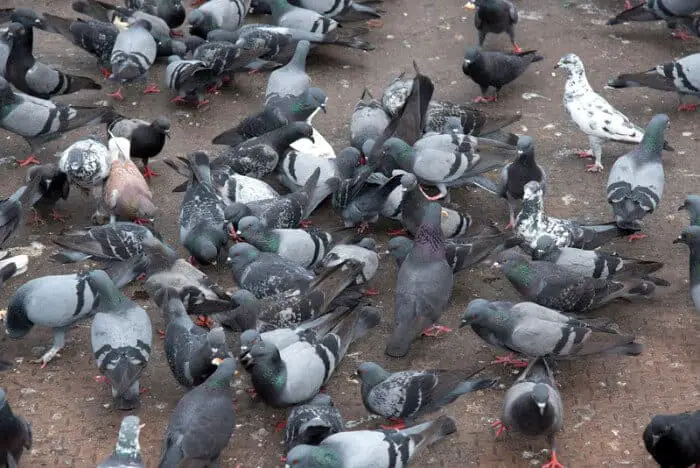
{"points": [[371, 292], [305, 223], [584, 154], [37, 220], [204, 321], [484, 99], [509, 360], [116, 95], [682, 35], [178, 100], [500, 427], [46, 358], [687, 107], [280, 425], [56, 216], [636, 236], [375, 23], [436, 330], [251, 392], [202, 102], [508, 226], [517, 49], [106, 72], [148, 173], [100, 378], [142, 221], [395, 424], [553, 463], [151, 89], [174, 33], [31, 159], [161, 333], [213, 89], [595, 167]]}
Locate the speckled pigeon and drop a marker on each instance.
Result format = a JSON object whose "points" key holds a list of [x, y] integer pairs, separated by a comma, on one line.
{"points": [[15, 434], [217, 14], [692, 204], [690, 236], [313, 422], [87, 163], [368, 121], [127, 452]]}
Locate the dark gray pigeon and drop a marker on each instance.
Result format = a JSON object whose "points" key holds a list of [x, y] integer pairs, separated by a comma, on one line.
{"points": [[15, 434], [14, 208], [670, 439], [223, 58], [495, 69], [533, 406], [380, 449], [408, 395], [290, 79], [297, 373], [122, 17], [495, 16], [656, 10], [255, 125], [692, 204], [302, 107], [368, 121], [366, 206], [53, 186], [289, 16], [311, 423], [72, 299], [636, 180], [172, 11], [127, 452], [516, 174], [121, 340], [423, 287], [202, 423], [474, 121], [690, 236], [217, 14], [554, 286], [146, 138], [189, 78]]}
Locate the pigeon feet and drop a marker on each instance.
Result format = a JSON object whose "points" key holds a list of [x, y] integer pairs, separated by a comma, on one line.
{"points": [[682, 35], [375, 23], [116, 95], [553, 463], [595, 167], [31, 159], [584, 154], [517, 49], [142, 221], [371, 292], [106, 72], [636, 236], [436, 330], [174, 33], [151, 89], [509, 360], [204, 321], [161, 334], [56, 216], [178, 100], [148, 173], [251, 392], [47, 357], [141, 277], [687, 107], [202, 102], [101, 379], [485, 99], [305, 223], [213, 89], [397, 424], [280, 425], [500, 427], [508, 226], [37, 220], [397, 232]]}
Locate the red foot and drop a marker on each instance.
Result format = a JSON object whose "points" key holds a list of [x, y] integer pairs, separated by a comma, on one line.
{"points": [[584, 154], [101, 379], [280, 425], [436, 330], [500, 427], [225, 79], [305, 223], [143, 390], [635, 236], [56, 216], [196, 3], [201, 103], [687, 107], [192, 260], [508, 226], [204, 321], [178, 100], [554, 463], [151, 89], [398, 232], [397, 424], [485, 99], [106, 72], [141, 277], [375, 23], [628, 5], [371, 292], [593, 168], [31, 159], [213, 89], [116, 95], [142, 221], [161, 333], [510, 360], [174, 33], [517, 49], [682, 35], [252, 392], [148, 173], [254, 71], [37, 220]]}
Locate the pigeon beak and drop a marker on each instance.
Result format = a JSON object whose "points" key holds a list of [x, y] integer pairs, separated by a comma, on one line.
{"points": [[217, 361], [323, 108], [469, 6], [463, 324], [141, 426], [444, 213], [496, 265], [542, 407], [520, 152], [678, 240], [467, 62], [655, 439], [683, 207]]}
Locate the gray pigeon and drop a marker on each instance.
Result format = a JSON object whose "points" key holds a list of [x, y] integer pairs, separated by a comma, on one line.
{"points": [[189, 78], [423, 286], [218, 14], [495, 16], [692, 204], [297, 373], [495, 69], [172, 11], [53, 186], [408, 395], [14, 208], [299, 108], [122, 17], [291, 79], [289, 16], [533, 406], [554, 286], [345, 10], [15, 434], [366, 206], [72, 299], [636, 181], [516, 174], [127, 453], [532, 330], [378, 449], [364, 252], [691, 237], [657, 10], [265, 121], [368, 121], [313, 422], [202, 423], [303, 247], [679, 76], [133, 54], [121, 340]]}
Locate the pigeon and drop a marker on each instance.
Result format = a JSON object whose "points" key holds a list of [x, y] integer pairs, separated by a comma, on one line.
{"points": [[126, 193], [133, 54], [289, 16], [423, 286], [291, 79], [121, 17], [255, 125], [277, 213], [38, 120], [127, 452], [72, 299], [368, 121], [313, 422], [12, 209], [53, 186], [532, 223], [533, 406], [203, 421], [31, 76], [189, 349], [381, 449], [15, 434], [217, 14], [656, 10], [305, 248], [87, 163], [189, 78], [496, 69], [297, 373], [516, 174], [147, 139], [692, 204], [636, 181], [690, 236], [364, 252], [299, 108], [295, 168], [671, 76], [593, 115], [11, 266], [495, 16], [346, 10], [554, 286], [670, 439], [366, 206], [121, 339], [171, 11], [223, 58], [409, 394], [259, 156]]}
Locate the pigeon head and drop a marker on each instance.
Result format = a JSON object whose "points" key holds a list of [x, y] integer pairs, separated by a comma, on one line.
{"points": [[246, 314], [477, 311], [452, 125], [525, 146], [368, 243], [653, 139], [307, 456], [532, 191], [371, 373], [141, 24], [540, 395], [690, 236], [171, 48], [348, 160], [27, 17], [161, 125], [241, 254], [216, 340], [204, 242], [198, 18], [399, 248], [545, 245], [249, 338], [471, 56], [401, 151], [250, 225], [261, 353], [221, 378], [692, 204], [234, 212], [128, 440], [409, 182], [169, 300], [659, 427], [572, 63]]}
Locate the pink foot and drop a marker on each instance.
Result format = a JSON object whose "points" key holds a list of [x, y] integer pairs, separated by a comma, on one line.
{"points": [[214, 89], [305, 223], [106, 72], [554, 463], [371, 292], [397, 424], [37, 220], [508, 226], [142, 221], [436, 330], [584, 154], [509, 360], [375, 23], [101, 379], [500, 427], [485, 99], [593, 167], [517, 49], [628, 5], [56, 216], [687, 107], [201, 103], [176, 33], [636, 236], [192, 260], [682, 35], [141, 277], [397, 232], [31, 159], [151, 89], [196, 3], [148, 173], [178, 100], [116, 95], [204, 322], [143, 390], [161, 334], [280, 425]]}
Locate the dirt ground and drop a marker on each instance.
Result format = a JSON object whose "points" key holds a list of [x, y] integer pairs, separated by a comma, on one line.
{"points": [[608, 400]]}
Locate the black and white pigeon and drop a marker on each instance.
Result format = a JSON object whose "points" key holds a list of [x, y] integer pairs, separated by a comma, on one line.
{"points": [[532, 223], [203, 421], [87, 163], [127, 452], [690, 236], [147, 138], [554, 286], [636, 180], [366, 206], [217, 14], [594, 115], [312, 422], [303, 247], [53, 186], [516, 174], [533, 406], [290, 16], [380, 448], [408, 395], [171, 11], [31, 76], [495, 16], [14, 208], [15, 434], [495, 69], [364, 252], [202, 223], [692, 205], [290, 79], [671, 439], [297, 373], [121, 338], [532, 330], [345, 10], [133, 53], [368, 121], [189, 349], [670, 11], [72, 299], [678, 75], [189, 78], [423, 286]]}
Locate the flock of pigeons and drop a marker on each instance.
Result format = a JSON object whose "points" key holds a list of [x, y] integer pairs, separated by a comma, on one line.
{"points": [[302, 295]]}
